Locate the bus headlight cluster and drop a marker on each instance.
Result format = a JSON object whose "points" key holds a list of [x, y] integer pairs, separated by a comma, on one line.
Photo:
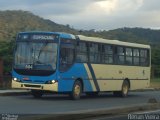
{"points": [[51, 81], [54, 81], [16, 79]]}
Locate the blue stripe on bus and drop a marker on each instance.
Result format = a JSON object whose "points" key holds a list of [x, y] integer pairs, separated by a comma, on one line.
{"points": [[68, 78], [93, 76]]}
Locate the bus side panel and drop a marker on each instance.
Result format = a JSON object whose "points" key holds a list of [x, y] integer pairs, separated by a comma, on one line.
{"points": [[67, 79], [101, 78], [65, 84], [111, 77]]}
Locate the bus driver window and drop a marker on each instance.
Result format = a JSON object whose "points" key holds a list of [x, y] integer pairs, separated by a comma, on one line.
{"points": [[66, 57]]}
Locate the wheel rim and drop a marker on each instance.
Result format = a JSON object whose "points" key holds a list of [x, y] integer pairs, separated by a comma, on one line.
{"points": [[125, 89], [77, 90]]}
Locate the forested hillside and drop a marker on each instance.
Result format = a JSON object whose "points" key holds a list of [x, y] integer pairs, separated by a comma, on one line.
{"points": [[12, 22], [135, 34]]}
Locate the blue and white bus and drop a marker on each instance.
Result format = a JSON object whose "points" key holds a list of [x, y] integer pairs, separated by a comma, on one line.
{"points": [[65, 63]]}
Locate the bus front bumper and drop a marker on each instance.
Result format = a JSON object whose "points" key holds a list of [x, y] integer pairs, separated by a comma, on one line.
{"points": [[47, 87]]}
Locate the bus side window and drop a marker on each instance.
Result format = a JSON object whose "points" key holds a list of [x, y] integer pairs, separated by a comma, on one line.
{"points": [[129, 55], [94, 53], [136, 60], [120, 55], [144, 57], [66, 57], [107, 54], [82, 52]]}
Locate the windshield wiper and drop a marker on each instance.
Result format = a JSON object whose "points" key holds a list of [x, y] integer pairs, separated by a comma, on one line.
{"points": [[42, 49], [36, 57]]}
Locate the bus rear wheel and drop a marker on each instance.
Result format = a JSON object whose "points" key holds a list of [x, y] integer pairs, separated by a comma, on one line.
{"points": [[36, 93], [76, 90], [124, 91]]}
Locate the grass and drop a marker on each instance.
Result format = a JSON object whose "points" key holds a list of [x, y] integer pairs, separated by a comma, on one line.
{"points": [[155, 83], [157, 80]]}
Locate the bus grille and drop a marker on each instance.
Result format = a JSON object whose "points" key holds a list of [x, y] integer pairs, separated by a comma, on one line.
{"points": [[35, 86]]}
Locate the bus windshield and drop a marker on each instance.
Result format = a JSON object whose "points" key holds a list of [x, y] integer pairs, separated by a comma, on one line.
{"points": [[35, 55]]}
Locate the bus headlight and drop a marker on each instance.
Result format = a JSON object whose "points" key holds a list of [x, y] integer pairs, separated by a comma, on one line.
{"points": [[51, 81], [16, 79]]}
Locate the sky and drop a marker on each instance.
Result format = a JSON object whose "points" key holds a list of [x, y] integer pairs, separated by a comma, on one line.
{"points": [[92, 14]]}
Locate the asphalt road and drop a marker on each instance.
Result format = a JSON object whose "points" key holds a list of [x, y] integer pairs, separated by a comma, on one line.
{"points": [[148, 115], [55, 104]]}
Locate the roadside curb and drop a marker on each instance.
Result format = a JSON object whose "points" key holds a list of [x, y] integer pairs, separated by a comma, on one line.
{"points": [[13, 92], [90, 114]]}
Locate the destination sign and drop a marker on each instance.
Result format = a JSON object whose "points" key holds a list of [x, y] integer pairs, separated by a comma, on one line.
{"points": [[36, 37], [43, 37]]}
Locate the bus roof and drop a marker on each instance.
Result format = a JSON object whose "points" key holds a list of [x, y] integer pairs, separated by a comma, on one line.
{"points": [[93, 39], [114, 42], [61, 34]]}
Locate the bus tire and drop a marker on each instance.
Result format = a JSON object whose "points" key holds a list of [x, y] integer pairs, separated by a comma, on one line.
{"points": [[36, 93], [125, 89], [76, 90]]}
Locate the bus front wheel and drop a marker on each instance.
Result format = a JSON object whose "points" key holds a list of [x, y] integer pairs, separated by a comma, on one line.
{"points": [[76, 90], [36, 93]]}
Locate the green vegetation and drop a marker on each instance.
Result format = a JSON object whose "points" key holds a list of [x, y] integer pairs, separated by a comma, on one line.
{"points": [[12, 22], [6, 52], [155, 83], [155, 80]]}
